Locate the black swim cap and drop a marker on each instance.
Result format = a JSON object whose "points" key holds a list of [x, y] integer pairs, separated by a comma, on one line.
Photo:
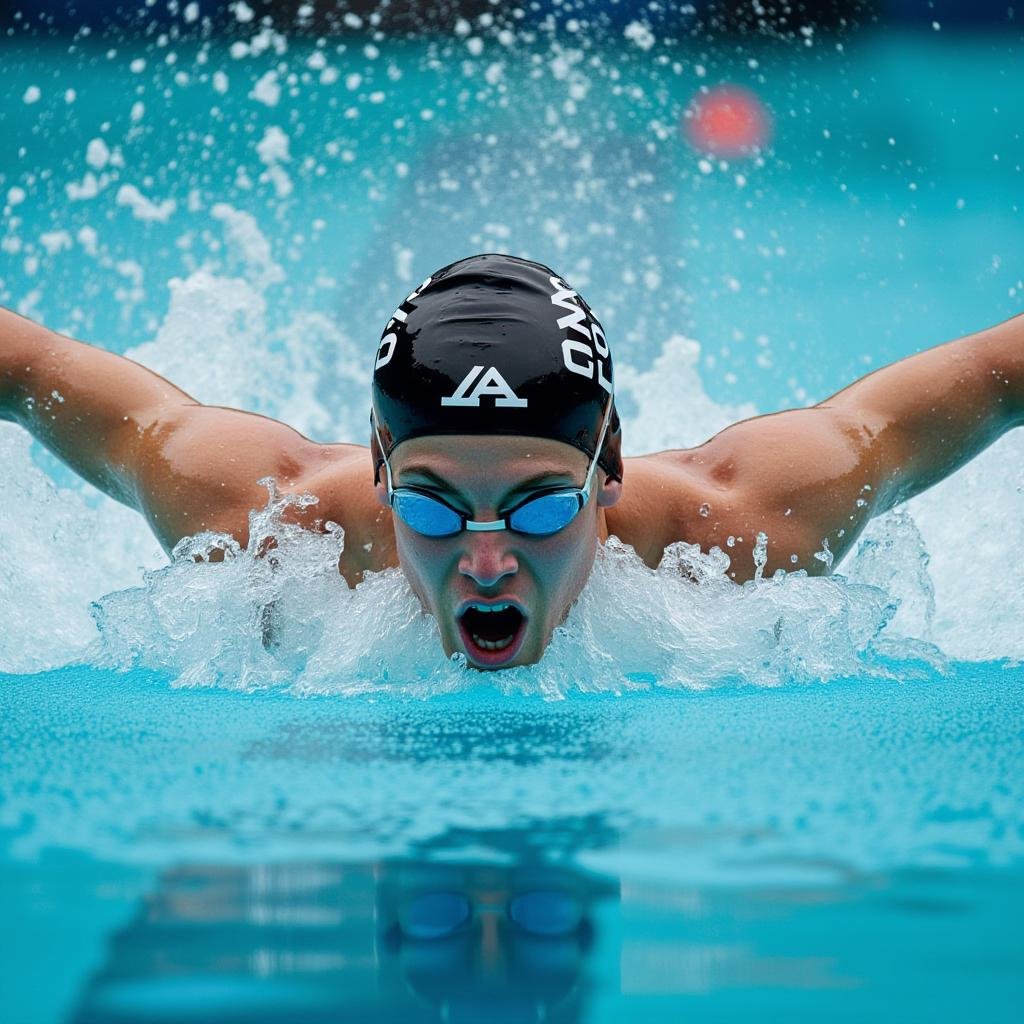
{"points": [[493, 344]]}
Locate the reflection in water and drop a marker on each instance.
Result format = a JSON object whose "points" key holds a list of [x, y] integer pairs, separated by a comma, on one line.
{"points": [[494, 936], [393, 941]]}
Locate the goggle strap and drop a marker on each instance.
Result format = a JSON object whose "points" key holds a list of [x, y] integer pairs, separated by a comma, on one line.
{"points": [[585, 489], [383, 455]]}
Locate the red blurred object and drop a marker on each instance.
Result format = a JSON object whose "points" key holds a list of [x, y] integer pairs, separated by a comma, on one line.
{"points": [[728, 121]]}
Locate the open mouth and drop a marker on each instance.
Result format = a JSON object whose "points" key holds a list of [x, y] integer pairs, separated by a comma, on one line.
{"points": [[492, 633]]}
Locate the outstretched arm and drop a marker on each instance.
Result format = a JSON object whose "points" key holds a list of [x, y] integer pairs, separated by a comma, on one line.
{"points": [[814, 476], [185, 466]]}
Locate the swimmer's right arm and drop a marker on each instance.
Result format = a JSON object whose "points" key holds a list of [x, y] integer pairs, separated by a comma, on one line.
{"points": [[87, 405], [185, 466]]}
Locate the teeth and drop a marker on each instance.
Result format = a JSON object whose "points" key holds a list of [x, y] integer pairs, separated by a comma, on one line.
{"points": [[492, 645]]}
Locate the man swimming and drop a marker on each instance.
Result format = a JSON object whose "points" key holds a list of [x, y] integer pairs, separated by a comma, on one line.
{"points": [[495, 467]]}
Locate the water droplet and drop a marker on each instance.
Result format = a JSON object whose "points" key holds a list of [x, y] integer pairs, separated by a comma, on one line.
{"points": [[824, 555], [704, 510], [760, 554]]}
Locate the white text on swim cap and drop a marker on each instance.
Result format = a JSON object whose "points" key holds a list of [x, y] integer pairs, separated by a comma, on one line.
{"points": [[490, 383], [587, 358], [387, 345]]}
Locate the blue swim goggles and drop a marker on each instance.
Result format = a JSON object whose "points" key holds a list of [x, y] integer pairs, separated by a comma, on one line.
{"points": [[548, 914], [539, 515]]}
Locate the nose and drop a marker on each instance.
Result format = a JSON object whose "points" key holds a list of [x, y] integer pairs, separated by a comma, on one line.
{"points": [[486, 559]]}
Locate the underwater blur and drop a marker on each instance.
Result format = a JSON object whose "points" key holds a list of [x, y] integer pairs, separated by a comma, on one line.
{"points": [[799, 797]]}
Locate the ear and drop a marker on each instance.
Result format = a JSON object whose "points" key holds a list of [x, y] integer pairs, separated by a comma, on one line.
{"points": [[609, 492]]}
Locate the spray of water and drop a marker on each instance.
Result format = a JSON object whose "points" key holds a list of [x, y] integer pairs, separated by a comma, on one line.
{"points": [[288, 620], [261, 619], [467, 161]]}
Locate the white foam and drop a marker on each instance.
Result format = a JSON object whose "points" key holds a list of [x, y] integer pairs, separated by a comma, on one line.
{"points": [[267, 89], [59, 550], [639, 34], [256, 622], [972, 525], [89, 187], [273, 150], [654, 417], [97, 154], [55, 241], [249, 246], [273, 147]]}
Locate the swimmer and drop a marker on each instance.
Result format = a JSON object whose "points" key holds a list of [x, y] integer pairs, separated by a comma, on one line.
{"points": [[494, 467]]}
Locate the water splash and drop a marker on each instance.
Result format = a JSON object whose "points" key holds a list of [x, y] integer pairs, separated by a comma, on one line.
{"points": [[245, 326], [277, 613], [288, 620], [59, 548]]}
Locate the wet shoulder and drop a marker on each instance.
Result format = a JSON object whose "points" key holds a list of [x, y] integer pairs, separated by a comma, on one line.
{"points": [[665, 499], [711, 496], [341, 479]]}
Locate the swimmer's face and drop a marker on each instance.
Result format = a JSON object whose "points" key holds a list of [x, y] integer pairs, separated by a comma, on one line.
{"points": [[538, 578]]}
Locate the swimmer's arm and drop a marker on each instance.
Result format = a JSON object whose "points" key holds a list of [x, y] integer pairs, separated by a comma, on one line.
{"points": [[185, 466], [84, 403], [811, 476], [932, 412]]}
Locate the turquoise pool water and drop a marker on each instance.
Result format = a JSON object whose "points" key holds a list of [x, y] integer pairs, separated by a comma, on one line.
{"points": [[798, 800], [843, 850]]}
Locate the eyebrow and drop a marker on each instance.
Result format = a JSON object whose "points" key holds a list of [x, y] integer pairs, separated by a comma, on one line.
{"points": [[551, 476]]}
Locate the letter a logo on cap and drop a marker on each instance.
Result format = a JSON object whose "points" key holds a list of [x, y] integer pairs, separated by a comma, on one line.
{"points": [[490, 383]]}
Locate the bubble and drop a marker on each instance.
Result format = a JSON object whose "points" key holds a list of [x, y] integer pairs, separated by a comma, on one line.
{"points": [[142, 207], [97, 154]]}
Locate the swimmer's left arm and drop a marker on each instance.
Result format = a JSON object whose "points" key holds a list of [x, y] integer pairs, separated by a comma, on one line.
{"points": [[934, 411], [810, 479]]}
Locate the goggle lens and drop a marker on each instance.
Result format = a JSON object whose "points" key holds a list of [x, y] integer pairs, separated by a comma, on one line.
{"points": [[546, 913], [539, 517], [425, 515], [545, 515], [435, 915], [438, 915]]}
